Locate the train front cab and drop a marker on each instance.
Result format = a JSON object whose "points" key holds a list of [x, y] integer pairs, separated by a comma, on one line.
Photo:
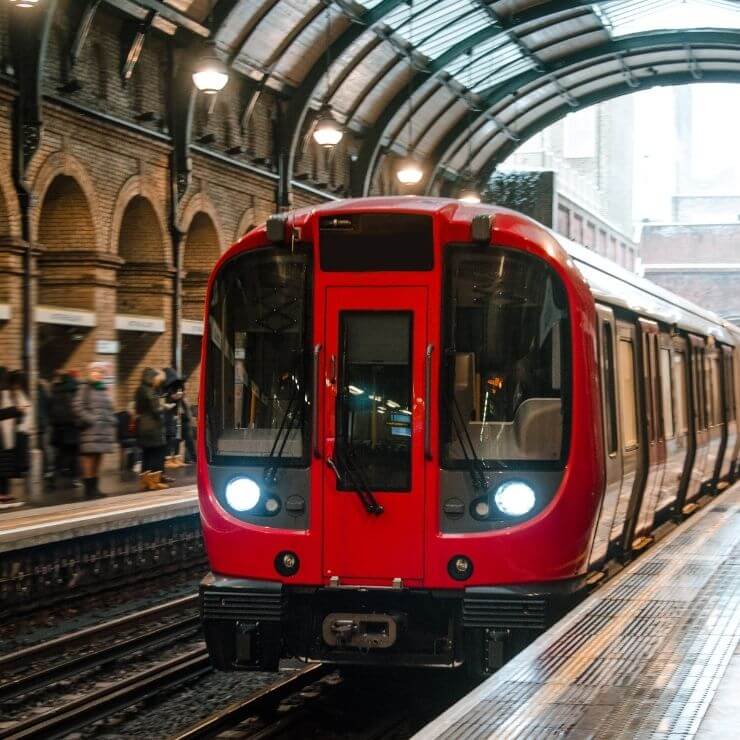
{"points": [[383, 455]]}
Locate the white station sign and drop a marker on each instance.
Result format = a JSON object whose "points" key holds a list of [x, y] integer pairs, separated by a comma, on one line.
{"points": [[128, 322], [64, 316], [192, 328]]}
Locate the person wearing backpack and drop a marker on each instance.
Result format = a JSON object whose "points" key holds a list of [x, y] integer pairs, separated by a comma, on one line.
{"points": [[97, 422]]}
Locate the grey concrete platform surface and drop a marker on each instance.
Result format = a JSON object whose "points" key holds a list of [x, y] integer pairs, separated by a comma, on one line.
{"points": [[32, 527], [655, 653]]}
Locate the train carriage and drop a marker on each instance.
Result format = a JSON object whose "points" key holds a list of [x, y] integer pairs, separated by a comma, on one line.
{"points": [[425, 427]]}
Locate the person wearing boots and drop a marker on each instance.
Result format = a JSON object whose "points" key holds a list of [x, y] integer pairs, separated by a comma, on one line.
{"points": [[97, 423], [173, 394], [150, 430]]}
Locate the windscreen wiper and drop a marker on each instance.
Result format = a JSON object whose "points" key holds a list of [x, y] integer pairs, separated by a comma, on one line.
{"points": [[281, 438], [356, 478]]}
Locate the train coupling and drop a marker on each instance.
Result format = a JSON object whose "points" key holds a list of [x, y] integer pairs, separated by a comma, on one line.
{"points": [[363, 631]]}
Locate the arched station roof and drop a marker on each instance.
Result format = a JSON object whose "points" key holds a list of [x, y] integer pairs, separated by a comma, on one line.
{"points": [[461, 83]]}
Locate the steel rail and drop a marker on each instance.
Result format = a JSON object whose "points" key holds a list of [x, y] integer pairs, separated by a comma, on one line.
{"points": [[65, 641], [151, 639], [256, 702], [105, 702]]}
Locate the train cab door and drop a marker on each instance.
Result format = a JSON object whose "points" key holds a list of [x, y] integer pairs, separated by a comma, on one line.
{"points": [[715, 412], [610, 429], [377, 360], [656, 446]]}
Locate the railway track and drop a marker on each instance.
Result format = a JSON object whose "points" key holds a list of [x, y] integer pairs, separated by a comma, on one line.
{"points": [[40, 669]]}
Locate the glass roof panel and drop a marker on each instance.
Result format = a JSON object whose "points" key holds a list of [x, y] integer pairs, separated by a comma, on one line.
{"points": [[624, 17]]}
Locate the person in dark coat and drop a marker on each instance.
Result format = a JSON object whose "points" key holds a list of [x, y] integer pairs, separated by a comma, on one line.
{"points": [[150, 428], [173, 388], [97, 422], [65, 434], [11, 415]]}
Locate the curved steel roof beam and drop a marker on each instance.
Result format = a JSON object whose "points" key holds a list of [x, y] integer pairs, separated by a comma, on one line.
{"points": [[646, 66], [370, 150], [292, 126], [667, 79], [699, 39]]}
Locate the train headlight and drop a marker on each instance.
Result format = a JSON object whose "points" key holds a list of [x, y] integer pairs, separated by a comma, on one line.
{"points": [[242, 494], [514, 498]]}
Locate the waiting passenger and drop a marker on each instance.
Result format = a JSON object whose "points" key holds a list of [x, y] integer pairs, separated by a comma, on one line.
{"points": [[11, 416], [94, 411], [150, 430], [24, 427], [65, 433]]}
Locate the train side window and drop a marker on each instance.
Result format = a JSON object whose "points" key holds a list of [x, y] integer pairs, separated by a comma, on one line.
{"points": [[699, 407], [716, 397], [679, 393], [666, 395], [609, 387], [628, 405]]}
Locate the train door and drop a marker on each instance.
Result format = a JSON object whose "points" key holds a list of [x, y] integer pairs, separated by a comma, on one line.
{"points": [[610, 421], [656, 448], [698, 419], [376, 345], [683, 417], [728, 400], [630, 439], [713, 379], [672, 371]]}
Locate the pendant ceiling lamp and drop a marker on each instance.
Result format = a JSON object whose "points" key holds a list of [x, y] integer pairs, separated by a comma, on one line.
{"points": [[409, 171], [327, 132]]}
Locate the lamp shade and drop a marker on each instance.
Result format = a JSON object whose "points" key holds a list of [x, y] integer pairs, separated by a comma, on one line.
{"points": [[327, 132], [24, 3], [211, 74], [409, 171]]}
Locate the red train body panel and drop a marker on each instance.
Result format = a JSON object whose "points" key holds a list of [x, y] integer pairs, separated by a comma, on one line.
{"points": [[345, 552]]}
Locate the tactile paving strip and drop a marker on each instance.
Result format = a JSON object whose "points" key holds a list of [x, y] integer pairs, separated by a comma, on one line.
{"points": [[640, 658]]}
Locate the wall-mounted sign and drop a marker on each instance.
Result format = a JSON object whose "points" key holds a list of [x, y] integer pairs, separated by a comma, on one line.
{"points": [[192, 328], [107, 346], [5, 311], [128, 322], [64, 316]]}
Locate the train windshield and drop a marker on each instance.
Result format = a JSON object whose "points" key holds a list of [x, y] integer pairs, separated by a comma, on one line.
{"points": [[506, 373], [256, 384]]}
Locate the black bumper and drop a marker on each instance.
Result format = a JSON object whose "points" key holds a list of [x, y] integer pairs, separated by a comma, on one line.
{"points": [[252, 624]]}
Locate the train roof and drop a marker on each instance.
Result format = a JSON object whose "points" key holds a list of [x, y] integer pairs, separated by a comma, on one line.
{"points": [[608, 282]]}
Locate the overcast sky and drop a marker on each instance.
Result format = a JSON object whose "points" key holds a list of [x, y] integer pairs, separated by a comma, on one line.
{"points": [[713, 150]]}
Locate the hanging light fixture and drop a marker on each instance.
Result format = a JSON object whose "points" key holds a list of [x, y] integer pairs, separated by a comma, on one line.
{"points": [[24, 3], [327, 132], [409, 171], [211, 74]]}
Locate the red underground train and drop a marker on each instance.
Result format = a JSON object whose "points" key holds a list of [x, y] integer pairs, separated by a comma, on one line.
{"points": [[427, 426]]}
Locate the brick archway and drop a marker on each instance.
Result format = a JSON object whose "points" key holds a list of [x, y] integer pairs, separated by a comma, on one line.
{"points": [[201, 250], [62, 176], [139, 187], [200, 204], [10, 220], [144, 296]]}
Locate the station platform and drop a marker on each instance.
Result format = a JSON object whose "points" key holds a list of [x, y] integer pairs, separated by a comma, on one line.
{"points": [[47, 524], [654, 653]]}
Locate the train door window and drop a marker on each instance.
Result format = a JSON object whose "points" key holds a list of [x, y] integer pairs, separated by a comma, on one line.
{"points": [[716, 396], [628, 405], [374, 403], [698, 387], [679, 393], [666, 395], [610, 401]]}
